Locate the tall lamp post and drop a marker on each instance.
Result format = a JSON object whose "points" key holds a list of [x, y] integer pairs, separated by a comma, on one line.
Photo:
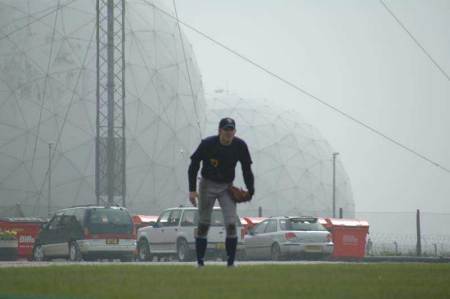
{"points": [[334, 184], [50, 145]]}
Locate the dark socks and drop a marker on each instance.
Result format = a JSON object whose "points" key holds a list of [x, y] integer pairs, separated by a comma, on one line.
{"points": [[230, 246], [200, 247]]}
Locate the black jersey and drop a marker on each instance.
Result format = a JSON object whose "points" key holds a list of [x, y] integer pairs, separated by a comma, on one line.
{"points": [[219, 161]]}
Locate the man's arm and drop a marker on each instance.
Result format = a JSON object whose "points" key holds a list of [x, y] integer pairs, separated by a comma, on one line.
{"points": [[196, 157], [249, 179], [246, 162], [192, 173]]}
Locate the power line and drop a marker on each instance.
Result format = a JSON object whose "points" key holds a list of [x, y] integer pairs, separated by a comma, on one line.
{"points": [[194, 98], [303, 91], [415, 40]]}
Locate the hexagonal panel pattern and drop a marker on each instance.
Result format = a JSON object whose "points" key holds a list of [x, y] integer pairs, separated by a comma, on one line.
{"points": [[48, 95]]}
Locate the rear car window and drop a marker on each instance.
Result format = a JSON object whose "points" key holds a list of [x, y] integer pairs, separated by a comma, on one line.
{"points": [[108, 220], [302, 224]]}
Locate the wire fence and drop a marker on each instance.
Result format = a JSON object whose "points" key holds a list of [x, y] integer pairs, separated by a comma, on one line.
{"points": [[395, 233]]}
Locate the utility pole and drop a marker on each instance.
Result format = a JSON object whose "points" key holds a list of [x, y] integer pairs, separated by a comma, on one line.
{"points": [[334, 184], [110, 164], [50, 145], [419, 237]]}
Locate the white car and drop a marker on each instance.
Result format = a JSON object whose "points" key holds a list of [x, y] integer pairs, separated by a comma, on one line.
{"points": [[288, 237], [174, 234]]}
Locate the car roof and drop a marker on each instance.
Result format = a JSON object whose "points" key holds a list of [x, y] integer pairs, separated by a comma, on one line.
{"points": [[91, 207], [187, 208], [293, 217]]}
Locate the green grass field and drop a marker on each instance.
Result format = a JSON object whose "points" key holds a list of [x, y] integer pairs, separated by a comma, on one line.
{"points": [[429, 281]]}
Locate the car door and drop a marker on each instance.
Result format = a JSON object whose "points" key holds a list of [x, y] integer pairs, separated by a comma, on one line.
{"points": [[217, 233], [188, 225], [253, 241], [44, 235], [171, 231], [156, 235], [52, 236], [268, 238], [70, 230], [61, 238]]}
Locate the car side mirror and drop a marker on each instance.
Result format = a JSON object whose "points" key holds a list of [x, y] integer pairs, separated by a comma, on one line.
{"points": [[44, 225]]}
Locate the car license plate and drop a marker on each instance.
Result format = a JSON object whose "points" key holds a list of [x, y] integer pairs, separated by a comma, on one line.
{"points": [[112, 241], [313, 248], [220, 246]]}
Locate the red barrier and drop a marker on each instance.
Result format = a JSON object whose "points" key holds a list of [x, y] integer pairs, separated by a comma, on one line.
{"points": [[349, 237], [27, 229]]}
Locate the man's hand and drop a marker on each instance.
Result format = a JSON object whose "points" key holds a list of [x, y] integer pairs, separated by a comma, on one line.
{"points": [[193, 198]]}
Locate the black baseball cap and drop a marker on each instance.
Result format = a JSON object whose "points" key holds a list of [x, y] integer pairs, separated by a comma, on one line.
{"points": [[227, 122]]}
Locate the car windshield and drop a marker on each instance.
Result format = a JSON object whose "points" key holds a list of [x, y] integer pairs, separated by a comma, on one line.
{"points": [[108, 220], [309, 224]]}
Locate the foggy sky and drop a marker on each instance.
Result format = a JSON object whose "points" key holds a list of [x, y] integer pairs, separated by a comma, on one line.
{"points": [[355, 56]]}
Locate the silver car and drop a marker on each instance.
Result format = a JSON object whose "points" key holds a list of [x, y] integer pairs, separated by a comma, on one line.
{"points": [[278, 238]]}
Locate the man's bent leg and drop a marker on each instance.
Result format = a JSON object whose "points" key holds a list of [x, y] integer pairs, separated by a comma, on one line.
{"points": [[231, 243], [201, 242], [205, 206], [230, 218]]}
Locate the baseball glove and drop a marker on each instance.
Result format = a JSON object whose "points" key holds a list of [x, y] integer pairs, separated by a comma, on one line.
{"points": [[239, 195]]}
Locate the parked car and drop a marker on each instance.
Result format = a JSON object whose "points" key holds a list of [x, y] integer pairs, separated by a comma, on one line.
{"points": [[173, 234], [288, 237], [143, 220], [87, 232], [249, 222]]}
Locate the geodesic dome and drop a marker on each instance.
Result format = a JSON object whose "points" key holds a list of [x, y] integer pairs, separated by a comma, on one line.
{"points": [[292, 162], [48, 95]]}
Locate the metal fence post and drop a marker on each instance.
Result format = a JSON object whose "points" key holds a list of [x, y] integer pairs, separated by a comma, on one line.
{"points": [[419, 244]]}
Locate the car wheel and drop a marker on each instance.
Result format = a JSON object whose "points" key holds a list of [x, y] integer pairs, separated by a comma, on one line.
{"points": [[275, 252], [144, 251], [38, 253], [74, 252], [183, 252]]}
